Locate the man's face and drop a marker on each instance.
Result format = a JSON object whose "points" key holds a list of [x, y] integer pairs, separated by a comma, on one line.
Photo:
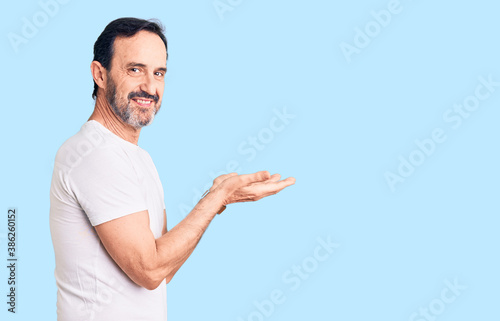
{"points": [[136, 79]]}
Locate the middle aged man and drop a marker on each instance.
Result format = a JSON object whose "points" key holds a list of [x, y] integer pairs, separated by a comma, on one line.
{"points": [[107, 216]]}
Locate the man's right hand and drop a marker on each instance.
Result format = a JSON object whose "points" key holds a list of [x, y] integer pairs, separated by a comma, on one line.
{"points": [[234, 188]]}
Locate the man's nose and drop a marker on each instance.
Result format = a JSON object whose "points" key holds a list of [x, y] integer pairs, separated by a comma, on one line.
{"points": [[149, 85]]}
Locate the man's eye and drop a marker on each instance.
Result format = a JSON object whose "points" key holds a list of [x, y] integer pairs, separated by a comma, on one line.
{"points": [[134, 69], [159, 73]]}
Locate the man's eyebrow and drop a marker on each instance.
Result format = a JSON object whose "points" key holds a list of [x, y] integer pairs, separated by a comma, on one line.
{"points": [[135, 64], [138, 64]]}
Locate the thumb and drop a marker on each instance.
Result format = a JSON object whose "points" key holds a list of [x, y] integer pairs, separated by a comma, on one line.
{"points": [[221, 178]]}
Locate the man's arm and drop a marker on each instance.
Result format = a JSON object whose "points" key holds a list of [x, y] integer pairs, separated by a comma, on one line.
{"points": [[147, 261]]}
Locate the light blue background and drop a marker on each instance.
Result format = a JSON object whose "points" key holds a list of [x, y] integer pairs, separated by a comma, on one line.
{"points": [[352, 121]]}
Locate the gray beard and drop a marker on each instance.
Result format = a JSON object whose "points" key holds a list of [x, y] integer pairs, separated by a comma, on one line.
{"points": [[125, 112]]}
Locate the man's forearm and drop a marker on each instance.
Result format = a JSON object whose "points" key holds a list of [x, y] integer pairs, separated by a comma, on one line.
{"points": [[174, 247], [148, 261]]}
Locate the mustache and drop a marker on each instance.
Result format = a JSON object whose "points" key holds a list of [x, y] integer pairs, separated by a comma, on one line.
{"points": [[143, 94]]}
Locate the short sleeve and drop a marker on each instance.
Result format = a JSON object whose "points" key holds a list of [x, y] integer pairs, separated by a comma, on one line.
{"points": [[107, 186]]}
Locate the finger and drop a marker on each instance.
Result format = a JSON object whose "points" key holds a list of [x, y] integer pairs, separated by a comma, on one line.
{"points": [[263, 189], [279, 186], [285, 183], [261, 176], [274, 178]]}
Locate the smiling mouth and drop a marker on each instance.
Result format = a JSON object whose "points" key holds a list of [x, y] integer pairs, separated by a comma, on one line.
{"points": [[143, 102]]}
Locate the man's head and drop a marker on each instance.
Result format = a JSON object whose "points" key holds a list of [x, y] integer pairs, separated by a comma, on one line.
{"points": [[129, 66]]}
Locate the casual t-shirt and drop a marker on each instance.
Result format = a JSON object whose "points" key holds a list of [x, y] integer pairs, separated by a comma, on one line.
{"points": [[99, 177]]}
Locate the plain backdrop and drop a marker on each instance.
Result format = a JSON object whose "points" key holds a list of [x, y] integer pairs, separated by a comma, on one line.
{"points": [[363, 90]]}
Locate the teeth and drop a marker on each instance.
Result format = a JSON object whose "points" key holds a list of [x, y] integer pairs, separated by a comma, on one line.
{"points": [[140, 101]]}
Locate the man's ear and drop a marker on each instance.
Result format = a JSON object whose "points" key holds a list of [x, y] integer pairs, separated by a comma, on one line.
{"points": [[99, 74]]}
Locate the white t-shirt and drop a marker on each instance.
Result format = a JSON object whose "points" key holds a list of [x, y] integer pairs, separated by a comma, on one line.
{"points": [[99, 177]]}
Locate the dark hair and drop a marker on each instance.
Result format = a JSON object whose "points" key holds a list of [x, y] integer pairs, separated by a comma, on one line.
{"points": [[122, 27]]}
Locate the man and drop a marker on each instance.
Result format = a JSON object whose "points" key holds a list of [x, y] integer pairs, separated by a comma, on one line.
{"points": [[113, 253]]}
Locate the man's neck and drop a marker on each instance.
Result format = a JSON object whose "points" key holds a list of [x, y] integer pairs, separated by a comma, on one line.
{"points": [[106, 117]]}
